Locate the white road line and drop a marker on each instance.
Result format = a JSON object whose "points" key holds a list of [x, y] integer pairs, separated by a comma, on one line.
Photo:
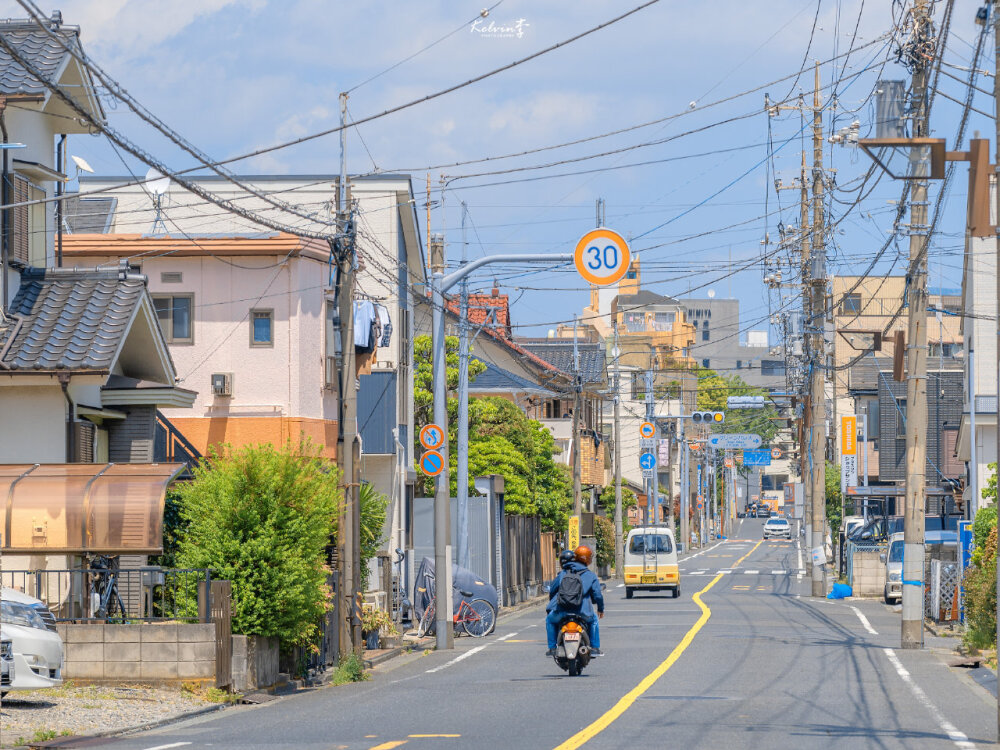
{"points": [[751, 572], [458, 658], [505, 637], [778, 572], [165, 747], [798, 546], [961, 740], [864, 620], [725, 570], [620, 585], [698, 572]]}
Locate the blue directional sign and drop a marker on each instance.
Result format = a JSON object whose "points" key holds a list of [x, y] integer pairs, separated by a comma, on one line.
{"points": [[647, 461], [431, 463], [760, 457]]}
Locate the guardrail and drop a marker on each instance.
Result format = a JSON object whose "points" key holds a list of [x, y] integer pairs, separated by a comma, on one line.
{"points": [[144, 594]]}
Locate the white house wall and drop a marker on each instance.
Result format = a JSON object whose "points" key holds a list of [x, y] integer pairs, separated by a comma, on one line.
{"points": [[32, 425]]}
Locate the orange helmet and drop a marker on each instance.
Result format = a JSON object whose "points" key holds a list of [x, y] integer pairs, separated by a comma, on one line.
{"points": [[584, 554]]}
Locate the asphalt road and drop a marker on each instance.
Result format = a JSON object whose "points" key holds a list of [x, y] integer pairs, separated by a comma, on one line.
{"points": [[757, 664]]}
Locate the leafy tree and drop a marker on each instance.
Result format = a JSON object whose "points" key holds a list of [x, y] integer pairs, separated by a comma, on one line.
{"points": [[713, 392], [832, 488], [980, 583], [989, 492], [261, 517], [606, 501], [604, 533]]}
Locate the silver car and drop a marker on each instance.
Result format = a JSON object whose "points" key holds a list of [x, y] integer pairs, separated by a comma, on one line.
{"points": [[6, 662], [777, 527]]}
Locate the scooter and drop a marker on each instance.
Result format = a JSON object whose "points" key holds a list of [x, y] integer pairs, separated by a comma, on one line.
{"points": [[573, 645]]}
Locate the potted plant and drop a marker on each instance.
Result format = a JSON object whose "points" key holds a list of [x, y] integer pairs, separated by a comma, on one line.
{"points": [[376, 624]]}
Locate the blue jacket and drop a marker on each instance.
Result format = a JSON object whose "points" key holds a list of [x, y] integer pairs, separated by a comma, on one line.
{"points": [[591, 589]]}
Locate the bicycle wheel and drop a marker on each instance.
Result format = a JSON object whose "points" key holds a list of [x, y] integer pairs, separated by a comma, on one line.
{"points": [[426, 621], [478, 618]]}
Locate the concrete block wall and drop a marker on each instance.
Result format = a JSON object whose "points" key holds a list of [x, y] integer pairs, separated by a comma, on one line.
{"points": [[255, 663], [868, 578], [147, 653]]}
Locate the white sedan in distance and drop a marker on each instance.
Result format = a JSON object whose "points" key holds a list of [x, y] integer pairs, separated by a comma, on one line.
{"points": [[777, 527]]}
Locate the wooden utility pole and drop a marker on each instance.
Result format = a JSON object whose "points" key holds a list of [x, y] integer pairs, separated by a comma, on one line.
{"points": [[577, 400], [817, 321], [619, 524], [348, 447], [912, 635]]}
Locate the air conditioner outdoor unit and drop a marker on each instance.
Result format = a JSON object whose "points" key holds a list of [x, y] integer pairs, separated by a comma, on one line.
{"points": [[222, 384]]}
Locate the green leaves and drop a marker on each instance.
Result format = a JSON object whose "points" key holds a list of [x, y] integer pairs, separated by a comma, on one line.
{"points": [[262, 517]]}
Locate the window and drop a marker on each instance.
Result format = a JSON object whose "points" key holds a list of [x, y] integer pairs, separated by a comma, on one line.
{"points": [[873, 414], [704, 335], [772, 367], [635, 322], [901, 420], [262, 328], [174, 312], [638, 386], [27, 223], [705, 363], [663, 321], [851, 304], [739, 364], [630, 274], [642, 543]]}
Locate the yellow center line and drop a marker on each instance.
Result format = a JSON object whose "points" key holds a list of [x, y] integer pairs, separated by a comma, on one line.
{"points": [[603, 722], [389, 745], [588, 733]]}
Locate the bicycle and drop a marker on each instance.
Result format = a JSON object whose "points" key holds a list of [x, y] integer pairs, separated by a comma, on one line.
{"points": [[476, 617], [104, 595]]}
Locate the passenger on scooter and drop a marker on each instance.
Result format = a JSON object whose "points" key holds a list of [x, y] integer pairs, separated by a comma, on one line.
{"points": [[575, 562]]}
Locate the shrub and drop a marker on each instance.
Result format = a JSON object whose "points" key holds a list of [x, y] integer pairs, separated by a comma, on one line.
{"points": [[604, 531], [373, 507], [261, 517], [981, 596], [984, 522]]}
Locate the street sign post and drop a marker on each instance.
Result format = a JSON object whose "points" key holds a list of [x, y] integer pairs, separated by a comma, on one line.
{"points": [[848, 453], [431, 463], [431, 436], [647, 430], [734, 440], [574, 532], [602, 257], [776, 453]]}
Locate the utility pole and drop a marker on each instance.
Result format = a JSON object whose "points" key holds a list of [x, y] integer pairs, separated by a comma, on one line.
{"points": [[682, 461], [912, 632], [619, 525], [651, 482], [348, 448], [817, 290], [996, 162], [577, 387], [462, 472]]}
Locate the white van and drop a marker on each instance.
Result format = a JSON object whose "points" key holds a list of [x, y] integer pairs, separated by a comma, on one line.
{"points": [[893, 559], [651, 561]]}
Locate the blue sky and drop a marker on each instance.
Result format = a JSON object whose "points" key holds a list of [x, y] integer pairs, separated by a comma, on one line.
{"points": [[234, 75]]}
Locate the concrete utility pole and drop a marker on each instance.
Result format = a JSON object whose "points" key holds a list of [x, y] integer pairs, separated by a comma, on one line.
{"points": [[348, 447], [996, 165], [577, 388], [817, 291], [650, 414], [683, 464], [912, 633], [462, 472], [619, 525]]}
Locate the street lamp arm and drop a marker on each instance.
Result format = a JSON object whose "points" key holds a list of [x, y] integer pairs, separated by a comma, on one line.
{"points": [[447, 282]]}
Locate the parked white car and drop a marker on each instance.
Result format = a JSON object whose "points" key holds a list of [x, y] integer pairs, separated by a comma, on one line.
{"points": [[6, 662], [37, 647], [893, 559]]}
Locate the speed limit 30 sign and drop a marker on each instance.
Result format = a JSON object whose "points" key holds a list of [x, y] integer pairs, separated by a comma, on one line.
{"points": [[602, 257]]}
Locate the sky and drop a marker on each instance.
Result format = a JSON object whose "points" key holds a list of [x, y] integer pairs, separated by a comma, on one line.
{"points": [[698, 207]]}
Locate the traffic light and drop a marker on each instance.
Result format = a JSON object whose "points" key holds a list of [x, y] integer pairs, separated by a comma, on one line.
{"points": [[708, 417]]}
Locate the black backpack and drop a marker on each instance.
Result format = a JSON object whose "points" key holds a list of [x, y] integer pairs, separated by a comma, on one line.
{"points": [[570, 594]]}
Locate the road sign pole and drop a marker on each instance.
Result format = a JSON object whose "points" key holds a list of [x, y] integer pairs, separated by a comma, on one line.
{"points": [[442, 490]]}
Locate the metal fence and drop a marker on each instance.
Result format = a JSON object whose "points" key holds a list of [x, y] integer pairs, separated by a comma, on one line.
{"points": [[522, 574], [145, 594], [942, 597]]}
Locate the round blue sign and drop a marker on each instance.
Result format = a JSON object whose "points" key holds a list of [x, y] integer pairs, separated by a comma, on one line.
{"points": [[647, 461], [431, 463]]}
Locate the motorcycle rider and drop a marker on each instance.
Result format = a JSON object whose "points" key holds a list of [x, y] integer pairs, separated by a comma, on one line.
{"points": [[575, 562]]}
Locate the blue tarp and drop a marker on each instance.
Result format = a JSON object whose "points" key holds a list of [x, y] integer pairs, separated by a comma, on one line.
{"points": [[462, 578]]}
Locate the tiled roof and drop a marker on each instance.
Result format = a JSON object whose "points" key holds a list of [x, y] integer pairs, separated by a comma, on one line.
{"points": [[89, 215], [69, 319], [480, 306], [498, 380], [560, 355], [42, 51]]}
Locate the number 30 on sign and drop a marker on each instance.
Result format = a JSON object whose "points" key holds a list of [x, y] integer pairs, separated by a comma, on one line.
{"points": [[602, 257]]}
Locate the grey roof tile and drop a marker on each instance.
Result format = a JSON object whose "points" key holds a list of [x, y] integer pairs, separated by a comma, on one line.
{"points": [[41, 50], [89, 215], [593, 367], [69, 319]]}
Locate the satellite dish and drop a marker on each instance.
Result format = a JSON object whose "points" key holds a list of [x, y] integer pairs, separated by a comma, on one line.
{"points": [[81, 163], [156, 183], [711, 294]]}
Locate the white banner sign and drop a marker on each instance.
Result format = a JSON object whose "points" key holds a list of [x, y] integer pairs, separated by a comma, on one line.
{"points": [[848, 473]]}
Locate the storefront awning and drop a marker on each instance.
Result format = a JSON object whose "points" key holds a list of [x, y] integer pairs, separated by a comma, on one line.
{"points": [[84, 508]]}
